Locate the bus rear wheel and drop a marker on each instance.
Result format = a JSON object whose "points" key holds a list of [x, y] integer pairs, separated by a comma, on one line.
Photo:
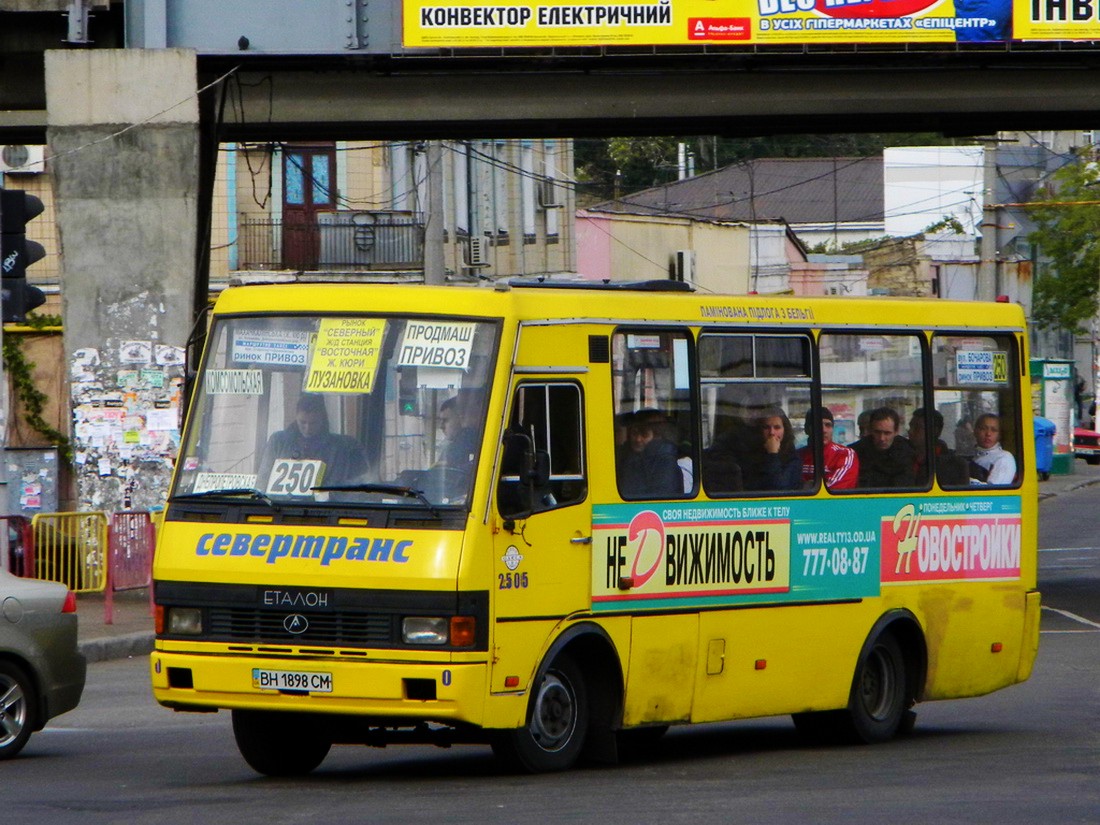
{"points": [[279, 744], [880, 692], [557, 722], [878, 705]]}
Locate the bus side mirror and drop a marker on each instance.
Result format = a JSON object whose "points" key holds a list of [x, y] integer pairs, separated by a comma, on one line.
{"points": [[525, 477], [537, 468]]}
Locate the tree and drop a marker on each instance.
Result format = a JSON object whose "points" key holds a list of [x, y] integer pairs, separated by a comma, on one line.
{"points": [[1068, 237]]}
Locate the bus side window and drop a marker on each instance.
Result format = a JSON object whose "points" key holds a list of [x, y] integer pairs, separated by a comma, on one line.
{"points": [[542, 460], [750, 386], [655, 430], [872, 383], [976, 379]]}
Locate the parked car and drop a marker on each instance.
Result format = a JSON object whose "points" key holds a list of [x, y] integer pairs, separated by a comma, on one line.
{"points": [[41, 670], [1086, 444]]}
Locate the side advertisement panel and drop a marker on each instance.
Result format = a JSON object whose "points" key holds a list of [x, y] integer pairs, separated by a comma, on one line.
{"points": [[717, 554]]}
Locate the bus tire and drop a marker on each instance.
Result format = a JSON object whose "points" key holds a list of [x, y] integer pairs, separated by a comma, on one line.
{"points": [[279, 744], [557, 722], [880, 692]]}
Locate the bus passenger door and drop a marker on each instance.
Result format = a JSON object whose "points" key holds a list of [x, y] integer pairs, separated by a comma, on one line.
{"points": [[543, 520]]}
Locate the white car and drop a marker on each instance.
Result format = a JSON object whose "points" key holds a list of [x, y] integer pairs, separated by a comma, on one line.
{"points": [[41, 670]]}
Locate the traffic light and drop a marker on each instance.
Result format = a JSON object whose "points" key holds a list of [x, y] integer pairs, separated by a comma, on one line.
{"points": [[17, 253]]}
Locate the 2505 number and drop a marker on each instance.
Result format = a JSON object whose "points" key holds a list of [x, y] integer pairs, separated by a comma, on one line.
{"points": [[511, 581]]}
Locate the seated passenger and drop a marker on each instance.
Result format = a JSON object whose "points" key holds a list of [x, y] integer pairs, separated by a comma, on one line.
{"points": [[964, 438], [646, 464], [886, 458], [951, 470], [721, 469], [777, 465], [991, 464], [460, 445], [664, 429], [841, 463], [308, 438]]}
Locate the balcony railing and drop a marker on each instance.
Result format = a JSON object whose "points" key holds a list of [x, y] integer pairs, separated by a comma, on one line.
{"points": [[347, 240]]}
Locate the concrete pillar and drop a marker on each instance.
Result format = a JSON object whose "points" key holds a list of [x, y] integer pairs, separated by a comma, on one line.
{"points": [[123, 137]]}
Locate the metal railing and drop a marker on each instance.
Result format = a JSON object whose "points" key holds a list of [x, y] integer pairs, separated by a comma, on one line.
{"points": [[87, 552], [71, 548], [132, 541], [346, 240]]}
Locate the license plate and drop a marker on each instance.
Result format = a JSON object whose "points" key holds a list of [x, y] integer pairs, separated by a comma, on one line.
{"points": [[291, 680]]}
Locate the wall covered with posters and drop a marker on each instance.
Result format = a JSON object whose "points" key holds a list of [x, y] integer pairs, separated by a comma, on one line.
{"points": [[126, 401]]}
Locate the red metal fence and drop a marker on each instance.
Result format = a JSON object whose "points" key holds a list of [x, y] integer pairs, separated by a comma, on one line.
{"points": [[16, 545], [132, 538]]}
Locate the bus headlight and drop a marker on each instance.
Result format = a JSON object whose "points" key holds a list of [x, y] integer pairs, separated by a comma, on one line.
{"points": [[184, 621], [425, 630]]}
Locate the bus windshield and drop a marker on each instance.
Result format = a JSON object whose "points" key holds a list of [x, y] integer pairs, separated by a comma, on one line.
{"points": [[341, 408]]}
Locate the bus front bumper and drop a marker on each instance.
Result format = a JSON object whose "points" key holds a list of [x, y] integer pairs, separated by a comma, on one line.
{"points": [[403, 691]]}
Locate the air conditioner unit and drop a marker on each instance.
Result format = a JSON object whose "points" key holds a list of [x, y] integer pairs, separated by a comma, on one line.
{"points": [[478, 252], [21, 159], [548, 194], [684, 266]]}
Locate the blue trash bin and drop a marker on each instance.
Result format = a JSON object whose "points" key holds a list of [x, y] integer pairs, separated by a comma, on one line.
{"points": [[1044, 446]]}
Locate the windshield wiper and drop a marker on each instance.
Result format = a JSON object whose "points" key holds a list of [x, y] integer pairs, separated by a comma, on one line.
{"points": [[385, 489], [251, 492]]}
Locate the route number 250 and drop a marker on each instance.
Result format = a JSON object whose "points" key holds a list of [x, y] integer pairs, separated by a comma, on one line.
{"points": [[294, 478]]}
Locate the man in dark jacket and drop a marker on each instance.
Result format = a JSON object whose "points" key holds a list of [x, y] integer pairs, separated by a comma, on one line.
{"points": [[646, 463], [886, 459]]}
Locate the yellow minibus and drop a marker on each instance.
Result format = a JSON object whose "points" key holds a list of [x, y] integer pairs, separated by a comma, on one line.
{"points": [[559, 517]]}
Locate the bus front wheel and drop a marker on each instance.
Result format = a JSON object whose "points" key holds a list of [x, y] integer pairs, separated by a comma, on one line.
{"points": [[557, 722], [279, 744]]}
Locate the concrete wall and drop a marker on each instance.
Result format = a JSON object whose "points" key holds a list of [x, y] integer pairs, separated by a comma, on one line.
{"points": [[642, 247], [123, 136]]}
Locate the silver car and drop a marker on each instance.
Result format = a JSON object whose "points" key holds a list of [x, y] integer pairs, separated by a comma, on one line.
{"points": [[41, 670]]}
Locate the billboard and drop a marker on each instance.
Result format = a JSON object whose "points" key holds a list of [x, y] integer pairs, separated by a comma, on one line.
{"points": [[541, 23]]}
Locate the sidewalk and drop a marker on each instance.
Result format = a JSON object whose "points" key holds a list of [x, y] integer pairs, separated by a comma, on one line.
{"points": [[131, 632]]}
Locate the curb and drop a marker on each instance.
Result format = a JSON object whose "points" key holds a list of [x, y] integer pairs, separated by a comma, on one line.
{"points": [[1085, 482], [117, 647]]}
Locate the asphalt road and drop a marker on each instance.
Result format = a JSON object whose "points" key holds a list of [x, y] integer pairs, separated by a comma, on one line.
{"points": [[1029, 753]]}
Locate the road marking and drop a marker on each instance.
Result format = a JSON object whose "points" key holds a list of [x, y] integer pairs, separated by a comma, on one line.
{"points": [[1072, 616], [1069, 549]]}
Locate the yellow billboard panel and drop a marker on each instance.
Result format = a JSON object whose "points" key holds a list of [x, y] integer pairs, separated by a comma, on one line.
{"points": [[472, 24], [345, 355]]}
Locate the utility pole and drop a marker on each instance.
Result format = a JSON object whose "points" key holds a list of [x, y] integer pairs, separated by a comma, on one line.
{"points": [[434, 273], [988, 266]]}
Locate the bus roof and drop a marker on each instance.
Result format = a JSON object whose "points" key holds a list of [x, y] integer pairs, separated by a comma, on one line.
{"points": [[627, 302]]}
